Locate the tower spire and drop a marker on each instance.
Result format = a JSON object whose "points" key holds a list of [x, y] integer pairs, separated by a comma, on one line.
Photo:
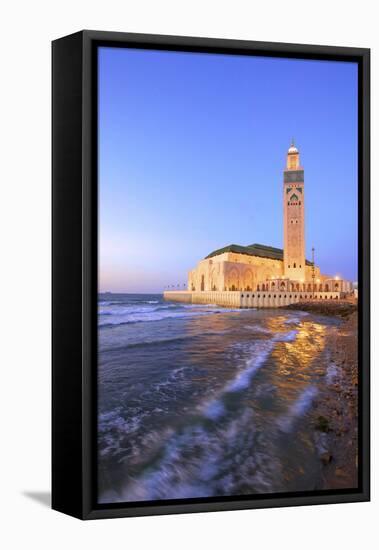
{"points": [[293, 160], [293, 204]]}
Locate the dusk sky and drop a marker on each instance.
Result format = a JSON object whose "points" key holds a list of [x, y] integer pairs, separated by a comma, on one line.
{"points": [[192, 149]]}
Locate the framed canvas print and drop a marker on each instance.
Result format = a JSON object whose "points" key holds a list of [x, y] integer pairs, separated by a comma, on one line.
{"points": [[210, 274]]}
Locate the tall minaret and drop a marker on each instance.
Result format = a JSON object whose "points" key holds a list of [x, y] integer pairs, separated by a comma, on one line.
{"points": [[293, 203]]}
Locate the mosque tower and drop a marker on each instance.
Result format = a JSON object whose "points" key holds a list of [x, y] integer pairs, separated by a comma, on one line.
{"points": [[293, 204]]}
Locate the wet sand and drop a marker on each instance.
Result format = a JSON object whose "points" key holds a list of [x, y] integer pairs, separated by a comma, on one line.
{"points": [[335, 413]]}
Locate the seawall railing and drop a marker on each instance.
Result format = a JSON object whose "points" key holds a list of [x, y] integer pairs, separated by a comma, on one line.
{"points": [[248, 299]]}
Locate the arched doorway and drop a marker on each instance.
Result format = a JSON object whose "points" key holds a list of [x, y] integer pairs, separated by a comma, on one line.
{"points": [[248, 279], [233, 279], [214, 280]]}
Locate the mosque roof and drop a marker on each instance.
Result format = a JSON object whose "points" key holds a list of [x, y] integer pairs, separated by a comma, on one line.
{"points": [[255, 249]]}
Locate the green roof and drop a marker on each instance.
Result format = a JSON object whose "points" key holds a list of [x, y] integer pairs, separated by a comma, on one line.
{"points": [[255, 249]]}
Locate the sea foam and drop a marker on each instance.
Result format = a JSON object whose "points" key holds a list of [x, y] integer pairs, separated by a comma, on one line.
{"points": [[298, 408]]}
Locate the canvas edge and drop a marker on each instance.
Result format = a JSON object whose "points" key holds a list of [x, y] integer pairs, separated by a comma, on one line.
{"points": [[82, 501]]}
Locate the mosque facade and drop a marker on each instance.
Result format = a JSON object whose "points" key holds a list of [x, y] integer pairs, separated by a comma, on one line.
{"points": [[261, 268]]}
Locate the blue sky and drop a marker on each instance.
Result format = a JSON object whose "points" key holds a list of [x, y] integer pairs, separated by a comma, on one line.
{"points": [[192, 149]]}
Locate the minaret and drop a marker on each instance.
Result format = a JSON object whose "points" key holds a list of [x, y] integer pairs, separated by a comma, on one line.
{"points": [[293, 203]]}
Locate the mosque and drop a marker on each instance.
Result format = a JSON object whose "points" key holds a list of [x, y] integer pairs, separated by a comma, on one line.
{"points": [[259, 275]]}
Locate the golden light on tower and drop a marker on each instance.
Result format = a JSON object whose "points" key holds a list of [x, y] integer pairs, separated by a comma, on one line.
{"points": [[293, 218]]}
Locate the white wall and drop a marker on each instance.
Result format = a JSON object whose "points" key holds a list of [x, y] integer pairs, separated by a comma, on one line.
{"points": [[26, 30]]}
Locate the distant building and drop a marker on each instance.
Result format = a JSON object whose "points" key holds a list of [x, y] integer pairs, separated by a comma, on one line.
{"points": [[258, 267]]}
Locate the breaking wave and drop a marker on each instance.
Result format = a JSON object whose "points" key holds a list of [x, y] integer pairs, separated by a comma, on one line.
{"points": [[298, 408], [111, 316], [259, 353], [201, 462]]}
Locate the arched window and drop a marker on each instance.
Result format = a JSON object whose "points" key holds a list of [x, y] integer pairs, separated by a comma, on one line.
{"points": [[294, 265]]}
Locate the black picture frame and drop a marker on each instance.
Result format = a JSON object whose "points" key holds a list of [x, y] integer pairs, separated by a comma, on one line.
{"points": [[74, 272]]}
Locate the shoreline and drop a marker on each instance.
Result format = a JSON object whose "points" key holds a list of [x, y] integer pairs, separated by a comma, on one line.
{"points": [[342, 309], [335, 412]]}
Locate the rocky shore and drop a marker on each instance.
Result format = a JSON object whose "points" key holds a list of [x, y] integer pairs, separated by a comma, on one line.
{"points": [[335, 413], [341, 308]]}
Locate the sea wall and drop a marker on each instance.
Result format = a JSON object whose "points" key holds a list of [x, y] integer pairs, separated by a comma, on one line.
{"points": [[178, 296], [244, 299]]}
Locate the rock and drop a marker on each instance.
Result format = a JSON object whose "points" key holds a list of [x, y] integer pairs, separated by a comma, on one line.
{"points": [[322, 424], [326, 458]]}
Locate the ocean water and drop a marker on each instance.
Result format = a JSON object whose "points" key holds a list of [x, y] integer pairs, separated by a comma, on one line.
{"points": [[201, 401]]}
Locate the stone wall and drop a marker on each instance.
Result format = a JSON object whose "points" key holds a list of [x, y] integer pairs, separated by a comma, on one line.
{"points": [[178, 296]]}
